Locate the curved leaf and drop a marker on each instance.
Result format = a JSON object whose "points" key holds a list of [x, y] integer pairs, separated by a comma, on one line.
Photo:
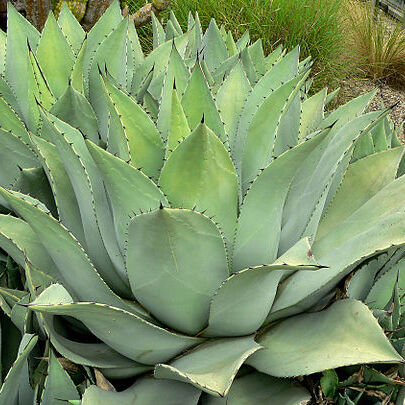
{"points": [[89, 354], [55, 56], [111, 56], [73, 108], [344, 334], [211, 366], [10, 121], [18, 69], [315, 176], [259, 389], [214, 47], [262, 134], [73, 264], [129, 334], [9, 389], [145, 144], [103, 27], [14, 156], [145, 391], [243, 301], [197, 102], [65, 199], [132, 194], [200, 173], [71, 28], [19, 241], [231, 98], [58, 385], [363, 179], [283, 71], [185, 258], [259, 223], [92, 200]]}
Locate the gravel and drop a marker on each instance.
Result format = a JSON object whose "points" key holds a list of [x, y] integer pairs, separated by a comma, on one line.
{"points": [[389, 95]]}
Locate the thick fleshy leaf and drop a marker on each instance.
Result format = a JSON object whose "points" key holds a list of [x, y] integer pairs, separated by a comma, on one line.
{"points": [[117, 140], [14, 154], [177, 75], [10, 98], [242, 303], [364, 146], [197, 103], [73, 264], [214, 47], [310, 184], [73, 108], [133, 194], [231, 44], [231, 98], [111, 56], [107, 23], [257, 55], [259, 389], [373, 228], [137, 54], [344, 334], [263, 132], [156, 60], [381, 292], [125, 332], [55, 56], [200, 173], [212, 366], [93, 204], [223, 70], [19, 240], [364, 236], [359, 285], [145, 144], [363, 179], [349, 111], [283, 71], [186, 261], [58, 385], [71, 28], [289, 126], [145, 391], [179, 128], [65, 199], [18, 66], [249, 66], [9, 118], [77, 76], [259, 224], [9, 389], [312, 113], [159, 35], [33, 182], [89, 354], [40, 88]]}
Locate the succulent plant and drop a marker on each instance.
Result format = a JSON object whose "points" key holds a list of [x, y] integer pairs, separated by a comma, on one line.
{"points": [[77, 7], [181, 220]]}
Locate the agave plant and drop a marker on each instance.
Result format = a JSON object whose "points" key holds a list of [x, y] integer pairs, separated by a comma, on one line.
{"points": [[181, 220]]}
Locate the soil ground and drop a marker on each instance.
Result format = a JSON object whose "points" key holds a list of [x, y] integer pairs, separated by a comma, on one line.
{"points": [[387, 94]]}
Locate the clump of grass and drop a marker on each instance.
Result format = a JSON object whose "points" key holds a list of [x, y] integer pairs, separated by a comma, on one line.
{"points": [[376, 43], [314, 24]]}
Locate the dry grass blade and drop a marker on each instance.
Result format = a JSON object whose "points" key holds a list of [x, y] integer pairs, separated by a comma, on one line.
{"points": [[376, 43]]}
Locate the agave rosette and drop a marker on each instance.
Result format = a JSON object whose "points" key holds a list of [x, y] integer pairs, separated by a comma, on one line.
{"points": [[169, 208]]}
